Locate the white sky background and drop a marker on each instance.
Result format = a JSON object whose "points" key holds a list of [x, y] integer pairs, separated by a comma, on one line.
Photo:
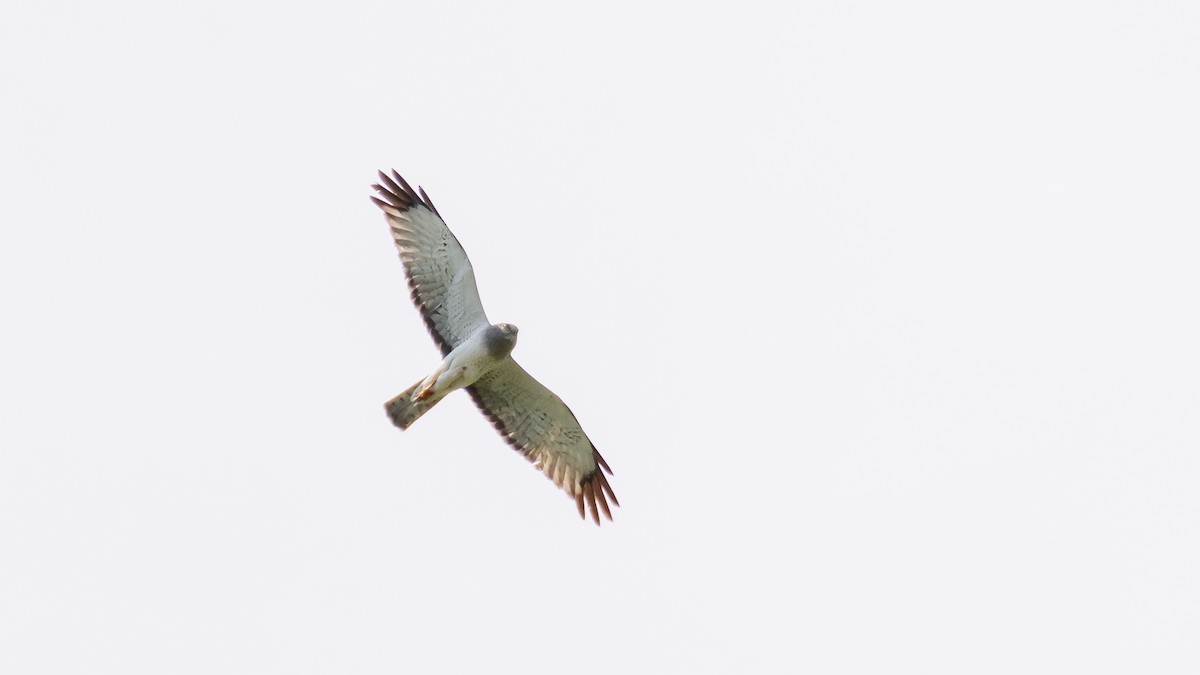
{"points": [[885, 317]]}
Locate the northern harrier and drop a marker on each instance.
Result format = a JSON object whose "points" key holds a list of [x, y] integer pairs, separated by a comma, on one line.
{"points": [[477, 354]]}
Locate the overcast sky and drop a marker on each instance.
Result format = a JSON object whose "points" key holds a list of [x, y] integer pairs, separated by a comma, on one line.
{"points": [[884, 314]]}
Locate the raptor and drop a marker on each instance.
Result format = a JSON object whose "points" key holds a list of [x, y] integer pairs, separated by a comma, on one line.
{"points": [[477, 355]]}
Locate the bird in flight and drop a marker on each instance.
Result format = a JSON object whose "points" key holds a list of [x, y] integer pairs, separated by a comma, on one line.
{"points": [[477, 355]]}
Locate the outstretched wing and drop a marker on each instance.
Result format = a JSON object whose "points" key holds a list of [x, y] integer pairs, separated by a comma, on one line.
{"points": [[439, 273], [539, 425]]}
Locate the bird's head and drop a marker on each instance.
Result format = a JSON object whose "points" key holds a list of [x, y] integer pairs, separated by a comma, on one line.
{"points": [[500, 339]]}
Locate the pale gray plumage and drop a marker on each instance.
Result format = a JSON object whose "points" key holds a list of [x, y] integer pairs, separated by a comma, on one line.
{"points": [[477, 355]]}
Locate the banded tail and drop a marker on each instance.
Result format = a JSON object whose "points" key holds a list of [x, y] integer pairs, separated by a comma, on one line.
{"points": [[404, 410]]}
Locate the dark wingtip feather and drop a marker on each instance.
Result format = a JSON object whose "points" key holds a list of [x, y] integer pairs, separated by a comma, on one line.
{"points": [[601, 462], [589, 491], [391, 184], [407, 188], [601, 500], [428, 201], [607, 488]]}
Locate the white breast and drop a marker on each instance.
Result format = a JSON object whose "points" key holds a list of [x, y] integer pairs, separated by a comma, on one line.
{"points": [[464, 365]]}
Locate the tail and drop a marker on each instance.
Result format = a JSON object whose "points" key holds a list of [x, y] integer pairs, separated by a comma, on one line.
{"points": [[404, 410]]}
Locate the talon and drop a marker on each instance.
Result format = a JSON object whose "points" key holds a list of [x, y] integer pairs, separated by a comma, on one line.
{"points": [[424, 394]]}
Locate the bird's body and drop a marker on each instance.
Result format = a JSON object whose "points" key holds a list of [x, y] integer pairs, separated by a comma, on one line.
{"points": [[462, 367], [477, 355]]}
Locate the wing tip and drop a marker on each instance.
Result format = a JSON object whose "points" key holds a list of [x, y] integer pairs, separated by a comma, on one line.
{"points": [[600, 461], [592, 491], [400, 195], [393, 194], [589, 492]]}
